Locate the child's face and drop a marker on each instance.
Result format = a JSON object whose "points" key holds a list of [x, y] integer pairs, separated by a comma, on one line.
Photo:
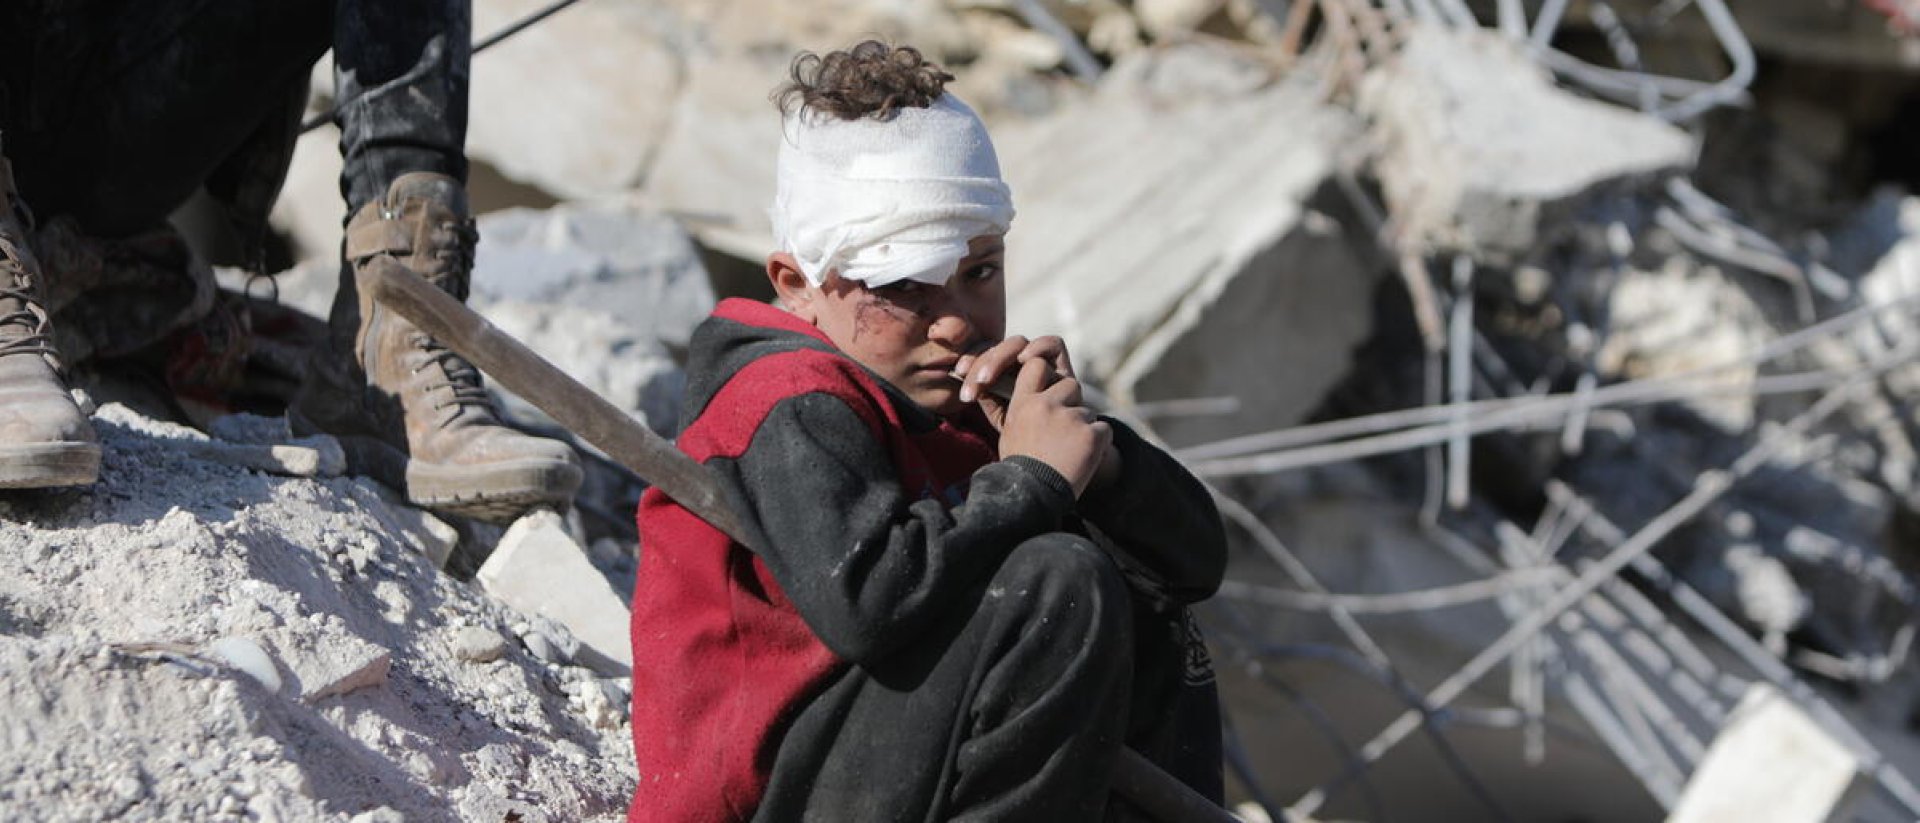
{"points": [[912, 333]]}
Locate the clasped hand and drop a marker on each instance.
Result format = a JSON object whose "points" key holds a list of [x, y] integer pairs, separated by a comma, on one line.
{"points": [[1046, 418]]}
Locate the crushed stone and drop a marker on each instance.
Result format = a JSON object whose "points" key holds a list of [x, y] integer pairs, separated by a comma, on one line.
{"points": [[158, 631]]}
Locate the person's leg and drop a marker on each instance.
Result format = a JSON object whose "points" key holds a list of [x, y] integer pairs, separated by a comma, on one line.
{"points": [[1013, 710], [112, 113], [408, 411], [44, 439], [1176, 722], [117, 111], [401, 74]]}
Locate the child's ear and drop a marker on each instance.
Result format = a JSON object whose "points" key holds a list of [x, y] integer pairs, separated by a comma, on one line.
{"points": [[790, 285]]}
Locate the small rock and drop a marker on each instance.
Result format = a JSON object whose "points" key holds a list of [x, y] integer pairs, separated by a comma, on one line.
{"points": [[247, 657], [477, 645], [538, 645], [342, 664], [601, 705]]}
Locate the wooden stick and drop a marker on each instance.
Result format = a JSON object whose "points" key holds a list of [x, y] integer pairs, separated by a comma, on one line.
{"points": [[649, 455]]}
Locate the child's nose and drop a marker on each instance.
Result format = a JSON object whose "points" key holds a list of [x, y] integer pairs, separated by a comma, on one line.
{"points": [[952, 324]]}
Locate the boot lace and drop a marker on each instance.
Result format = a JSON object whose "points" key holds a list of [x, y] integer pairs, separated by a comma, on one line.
{"points": [[453, 249], [462, 379], [453, 246], [22, 307]]}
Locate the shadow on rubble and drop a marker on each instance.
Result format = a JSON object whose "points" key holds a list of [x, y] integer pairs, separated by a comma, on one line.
{"points": [[396, 600]]}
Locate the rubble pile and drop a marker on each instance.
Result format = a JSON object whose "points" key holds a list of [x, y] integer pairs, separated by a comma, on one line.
{"points": [[1554, 364], [190, 639]]}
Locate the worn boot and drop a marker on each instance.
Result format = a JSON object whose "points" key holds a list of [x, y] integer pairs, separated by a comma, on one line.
{"points": [[45, 440], [408, 411]]}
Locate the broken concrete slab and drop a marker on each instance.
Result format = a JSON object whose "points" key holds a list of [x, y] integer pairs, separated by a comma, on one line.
{"points": [[1770, 762], [1477, 146], [623, 259], [540, 570], [1165, 231], [578, 104], [715, 166]]}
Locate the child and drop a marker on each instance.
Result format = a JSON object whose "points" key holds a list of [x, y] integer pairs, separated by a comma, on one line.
{"points": [[928, 631]]}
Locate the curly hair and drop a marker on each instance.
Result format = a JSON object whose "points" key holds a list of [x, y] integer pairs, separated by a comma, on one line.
{"points": [[872, 79]]}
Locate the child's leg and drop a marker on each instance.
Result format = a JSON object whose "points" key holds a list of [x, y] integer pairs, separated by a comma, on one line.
{"points": [[1176, 706], [1014, 710]]}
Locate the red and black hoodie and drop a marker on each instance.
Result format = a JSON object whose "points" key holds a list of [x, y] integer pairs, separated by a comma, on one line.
{"points": [[877, 517]]}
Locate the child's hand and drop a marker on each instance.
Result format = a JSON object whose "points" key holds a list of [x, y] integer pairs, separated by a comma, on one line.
{"points": [[1046, 421], [980, 371]]}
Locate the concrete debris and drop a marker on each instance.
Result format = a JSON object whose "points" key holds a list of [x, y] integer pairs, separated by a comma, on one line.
{"points": [[237, 570], [628, 261], [1771, 763], [539, 569], [1478, 147], [330, 664], [645, 380], [1684, 320], [715, 165], [478, 645], [290, 461], [1244, 223], [432, 537], [604, 703], [593, 132], [1171, 228], [1167, 18], [249, 658], [1769, 597]]}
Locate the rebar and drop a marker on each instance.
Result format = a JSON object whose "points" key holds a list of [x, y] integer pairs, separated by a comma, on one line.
{"points": [[1708, 487], [1891, 782]]}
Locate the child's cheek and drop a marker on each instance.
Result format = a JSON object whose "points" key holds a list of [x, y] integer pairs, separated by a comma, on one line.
{"points": [[873, 314]]}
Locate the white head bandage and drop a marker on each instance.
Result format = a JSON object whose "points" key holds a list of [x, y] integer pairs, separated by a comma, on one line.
{"points": [[882, 201]]}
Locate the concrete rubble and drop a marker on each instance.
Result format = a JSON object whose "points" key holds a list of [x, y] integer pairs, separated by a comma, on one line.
{"points": [[540, 569], [1184, 255], [1288, 240], [268, 647], [1478, 147]]}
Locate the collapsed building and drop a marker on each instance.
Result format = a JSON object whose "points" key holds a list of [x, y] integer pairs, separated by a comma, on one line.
{"points": [[1552, 363]]}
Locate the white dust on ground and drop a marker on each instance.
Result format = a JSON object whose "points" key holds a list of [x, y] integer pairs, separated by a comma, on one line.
{"points": [[130, 612]]}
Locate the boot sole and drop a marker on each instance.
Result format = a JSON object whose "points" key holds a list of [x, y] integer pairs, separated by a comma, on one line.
{"points": [[49, 465], [497, 493]]}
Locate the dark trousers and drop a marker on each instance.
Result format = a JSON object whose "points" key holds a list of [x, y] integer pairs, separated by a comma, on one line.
{"points": [[1015, 710], [115, 111]]}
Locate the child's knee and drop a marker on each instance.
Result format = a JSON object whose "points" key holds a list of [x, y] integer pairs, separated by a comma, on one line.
{"points": [[1067, 556], [1068, 575]]}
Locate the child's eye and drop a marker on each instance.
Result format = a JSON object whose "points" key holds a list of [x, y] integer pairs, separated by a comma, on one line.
{"points": [[901, 288], [984, 271]]}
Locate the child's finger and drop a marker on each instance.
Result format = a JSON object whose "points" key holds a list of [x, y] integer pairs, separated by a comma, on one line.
{"points": [[994, 409], [1051, 349], [1066, 391], [1033, 378], [989, 364]]}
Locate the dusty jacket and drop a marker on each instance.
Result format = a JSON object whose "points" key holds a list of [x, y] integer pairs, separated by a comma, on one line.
{"points": [[876, 517]]}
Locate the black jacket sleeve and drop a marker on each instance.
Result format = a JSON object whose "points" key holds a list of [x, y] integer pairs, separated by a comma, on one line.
{"points": [[1161, 520], [868, 566]]}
